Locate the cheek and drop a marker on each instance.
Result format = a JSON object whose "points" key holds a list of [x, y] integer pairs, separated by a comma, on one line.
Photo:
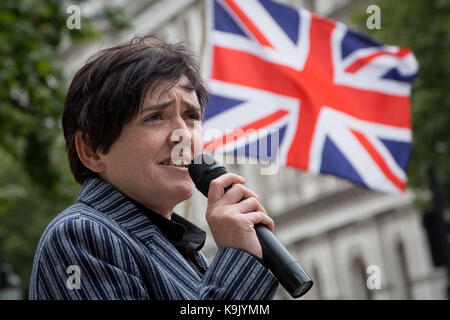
{"points": [[149, 147], [135, 152]]}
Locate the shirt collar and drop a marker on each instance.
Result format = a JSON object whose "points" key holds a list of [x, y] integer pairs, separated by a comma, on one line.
{"points": [[176, 230]]}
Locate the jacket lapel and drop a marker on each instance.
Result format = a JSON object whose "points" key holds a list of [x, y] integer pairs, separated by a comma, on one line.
{"points": [[105, 198]]}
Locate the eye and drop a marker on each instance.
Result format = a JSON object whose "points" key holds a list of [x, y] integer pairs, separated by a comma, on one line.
{"points": [[154, 117], [194, 115]]}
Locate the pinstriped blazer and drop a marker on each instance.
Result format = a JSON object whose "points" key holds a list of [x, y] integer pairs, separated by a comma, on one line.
{"points": [[119, 253]]}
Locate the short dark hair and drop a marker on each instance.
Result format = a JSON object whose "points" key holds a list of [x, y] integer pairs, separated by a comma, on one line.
{"points": [[107, 92]]}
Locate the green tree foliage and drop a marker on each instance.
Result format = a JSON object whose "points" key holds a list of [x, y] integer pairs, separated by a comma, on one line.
{"points": [[35, 181], [424, 27]]}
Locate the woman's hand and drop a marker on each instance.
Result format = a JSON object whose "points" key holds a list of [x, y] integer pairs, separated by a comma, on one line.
{"points": [[232, 215]]}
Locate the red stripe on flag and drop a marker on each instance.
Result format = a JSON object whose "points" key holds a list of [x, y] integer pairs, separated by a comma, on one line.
{"points": [[248, 23], [358, 64], [246, 69], [241, 132], [379, 160]]}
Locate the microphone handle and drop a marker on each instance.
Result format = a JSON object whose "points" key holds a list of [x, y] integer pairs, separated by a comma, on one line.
{"points": [[282, 264]]}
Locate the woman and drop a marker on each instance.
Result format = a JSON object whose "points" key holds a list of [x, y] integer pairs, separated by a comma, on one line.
{"points": [[125, 113]]}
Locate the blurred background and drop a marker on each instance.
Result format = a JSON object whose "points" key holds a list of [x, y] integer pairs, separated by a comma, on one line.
{"points": [[343, 235]]}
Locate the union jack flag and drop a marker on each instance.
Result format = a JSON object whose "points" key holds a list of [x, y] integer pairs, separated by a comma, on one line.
{"points": [[338, 100]]}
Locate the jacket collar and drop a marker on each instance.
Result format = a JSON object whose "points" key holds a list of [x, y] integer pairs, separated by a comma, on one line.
{"points": [[105, 198]]}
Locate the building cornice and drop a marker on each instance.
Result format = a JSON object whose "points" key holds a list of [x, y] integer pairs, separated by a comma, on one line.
{"points": [[336, 211]]}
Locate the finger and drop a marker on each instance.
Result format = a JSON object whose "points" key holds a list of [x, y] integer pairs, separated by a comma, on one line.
{"points": [[237, 193], [218, 185], [250, 204], [260, 217]]}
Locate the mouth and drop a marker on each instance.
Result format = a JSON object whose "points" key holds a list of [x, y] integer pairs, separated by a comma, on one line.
{"points": [[178, 163]]}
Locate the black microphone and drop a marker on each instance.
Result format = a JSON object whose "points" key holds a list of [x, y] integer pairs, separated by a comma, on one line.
{"points": [[203, 169]]}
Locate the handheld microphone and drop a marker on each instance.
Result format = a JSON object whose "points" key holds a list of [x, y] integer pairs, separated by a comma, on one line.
{"points": [[203, 169]]}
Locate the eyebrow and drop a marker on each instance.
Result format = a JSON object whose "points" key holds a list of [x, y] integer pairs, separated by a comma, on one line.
{"points": [[187, 87], [162, 106]]}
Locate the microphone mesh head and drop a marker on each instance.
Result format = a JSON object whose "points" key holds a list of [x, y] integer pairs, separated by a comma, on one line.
{"points": [[203, 169], [203, 185]]}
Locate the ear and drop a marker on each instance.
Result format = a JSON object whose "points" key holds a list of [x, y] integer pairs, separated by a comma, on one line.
{"points": [[89, 158]]}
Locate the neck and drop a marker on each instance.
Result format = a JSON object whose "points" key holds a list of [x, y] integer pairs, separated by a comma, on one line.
{"points": [[165, 212]]}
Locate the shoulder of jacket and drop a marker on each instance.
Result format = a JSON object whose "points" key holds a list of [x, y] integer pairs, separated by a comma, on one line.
{"points": [[82, 216]]}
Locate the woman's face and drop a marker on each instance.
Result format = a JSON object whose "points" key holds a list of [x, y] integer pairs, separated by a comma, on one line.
{"points": [[167, 130]]}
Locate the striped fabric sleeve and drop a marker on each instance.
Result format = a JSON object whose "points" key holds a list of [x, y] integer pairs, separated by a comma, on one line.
{"points": [[80, 259], [237, 275]]}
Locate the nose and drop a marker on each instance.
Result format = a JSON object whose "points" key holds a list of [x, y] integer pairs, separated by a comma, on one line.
{"points": [[180, 132], [180, 141]]}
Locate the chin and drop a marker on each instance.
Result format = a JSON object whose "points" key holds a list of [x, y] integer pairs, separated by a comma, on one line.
{"points": [[184, 190]]}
